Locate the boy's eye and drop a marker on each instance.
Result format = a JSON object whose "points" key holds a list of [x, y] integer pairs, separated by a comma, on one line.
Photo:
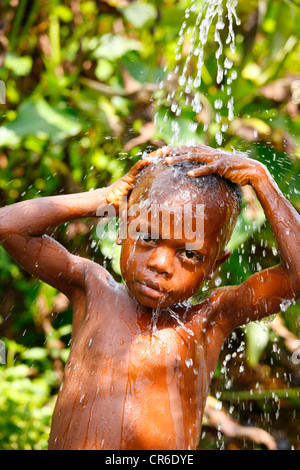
{"points": [[145, 237], [190, 255]]}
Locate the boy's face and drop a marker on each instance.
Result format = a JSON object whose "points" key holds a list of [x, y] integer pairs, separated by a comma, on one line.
{"points": [[166, 257]]}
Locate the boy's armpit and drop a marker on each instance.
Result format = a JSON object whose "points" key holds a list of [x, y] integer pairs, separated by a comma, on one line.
{"points": [[260, 296]]}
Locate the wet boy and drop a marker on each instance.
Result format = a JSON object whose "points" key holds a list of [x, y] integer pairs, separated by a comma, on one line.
{"points": [[142, 356]]}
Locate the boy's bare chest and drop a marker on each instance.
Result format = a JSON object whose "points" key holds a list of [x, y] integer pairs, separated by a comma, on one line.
{"points": [[123, 367], [113, 325], [114, 329]]}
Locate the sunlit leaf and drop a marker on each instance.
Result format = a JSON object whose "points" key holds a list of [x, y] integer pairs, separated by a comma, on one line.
{"points": [[139, 13], [38, 118], [115, 46], [21, 66], [257, 336]]}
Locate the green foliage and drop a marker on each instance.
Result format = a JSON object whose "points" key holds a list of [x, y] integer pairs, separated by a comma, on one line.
{"points": [[82, 82], [25, 403]]}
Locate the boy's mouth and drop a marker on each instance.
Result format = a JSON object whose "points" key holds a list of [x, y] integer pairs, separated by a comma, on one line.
{"points": [[151, 289]]}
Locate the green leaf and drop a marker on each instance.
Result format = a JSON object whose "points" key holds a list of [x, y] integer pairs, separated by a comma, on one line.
{"points": [[35, 354], [183, 133], [21, 66], [139, 14], [257, 338], [38, 118], [64, 13], [113, 47], [64, 330]]}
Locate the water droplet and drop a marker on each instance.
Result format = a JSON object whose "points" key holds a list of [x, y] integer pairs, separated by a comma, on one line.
{"points": [[219, 137], [218, 104], [228, 63], [285, 304], [81, 398], [189, 362]]}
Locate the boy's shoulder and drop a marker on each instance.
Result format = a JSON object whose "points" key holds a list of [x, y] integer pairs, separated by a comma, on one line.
{"points": [[209, 299], [96, 278], [96, 272]]}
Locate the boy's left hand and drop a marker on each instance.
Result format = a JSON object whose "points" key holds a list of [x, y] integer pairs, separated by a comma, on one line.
{"points": [[237, 168]]}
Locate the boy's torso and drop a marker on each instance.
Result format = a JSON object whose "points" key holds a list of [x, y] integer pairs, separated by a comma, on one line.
{"points": [[132, 382]]}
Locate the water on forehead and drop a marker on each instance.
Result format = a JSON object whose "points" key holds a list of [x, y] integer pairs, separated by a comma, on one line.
{"points": [[179, 193], [169, 186]]}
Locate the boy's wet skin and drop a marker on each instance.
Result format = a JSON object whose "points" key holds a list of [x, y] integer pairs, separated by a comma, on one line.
{"points": [[127, 386], [137, 377], [148, 376]]}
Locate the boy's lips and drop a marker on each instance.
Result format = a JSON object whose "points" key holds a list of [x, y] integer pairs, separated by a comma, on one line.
{"points": [[151, 289]]}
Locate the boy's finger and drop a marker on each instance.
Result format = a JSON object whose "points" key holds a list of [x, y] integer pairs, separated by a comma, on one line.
{"points": [[203, 171], [196, 157], [139, 165]]}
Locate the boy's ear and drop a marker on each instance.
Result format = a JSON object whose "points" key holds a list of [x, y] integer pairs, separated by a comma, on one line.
{"points": [[223, 256]]}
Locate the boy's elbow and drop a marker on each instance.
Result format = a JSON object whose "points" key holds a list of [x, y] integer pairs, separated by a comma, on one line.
{"points": [[296, 281], [288, 286]]}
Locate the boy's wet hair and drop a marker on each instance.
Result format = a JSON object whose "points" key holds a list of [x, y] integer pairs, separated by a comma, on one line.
{"points": [[159, 179], [177, 173], [209, 182]]}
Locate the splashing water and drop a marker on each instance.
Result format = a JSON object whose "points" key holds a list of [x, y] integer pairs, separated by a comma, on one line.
{"points": [[182, 80], [155, 316], [176, 317]]}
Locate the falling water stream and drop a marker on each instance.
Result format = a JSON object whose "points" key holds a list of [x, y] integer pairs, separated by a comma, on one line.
{"points": [[211, 16]]}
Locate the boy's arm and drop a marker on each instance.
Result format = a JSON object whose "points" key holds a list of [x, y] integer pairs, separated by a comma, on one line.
{"points": [[22, 234], [270, 290], [23, 226], [263, 293]]}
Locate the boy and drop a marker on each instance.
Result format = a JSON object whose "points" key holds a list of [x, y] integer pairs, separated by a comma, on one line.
{"points": [[142, 356]]}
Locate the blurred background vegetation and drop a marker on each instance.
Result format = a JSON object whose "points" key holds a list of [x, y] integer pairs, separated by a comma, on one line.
{"points": [[83, 102]]}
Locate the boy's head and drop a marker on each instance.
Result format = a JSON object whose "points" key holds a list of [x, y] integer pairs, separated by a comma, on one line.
{"points": [[177, 230]]}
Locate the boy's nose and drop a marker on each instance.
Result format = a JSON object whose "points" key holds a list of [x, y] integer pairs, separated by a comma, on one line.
{"points": [[161, 261]]}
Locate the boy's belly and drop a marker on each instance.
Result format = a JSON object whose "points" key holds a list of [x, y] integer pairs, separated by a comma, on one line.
{"points": [[128, 393], [99, 418], [159, 422]]}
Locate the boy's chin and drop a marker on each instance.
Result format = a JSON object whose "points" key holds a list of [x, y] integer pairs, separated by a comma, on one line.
{"points": [[150, 297], [153, 303]]}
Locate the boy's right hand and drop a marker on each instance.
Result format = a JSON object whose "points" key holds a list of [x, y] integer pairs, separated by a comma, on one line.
{"points": [[124, 185]]}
